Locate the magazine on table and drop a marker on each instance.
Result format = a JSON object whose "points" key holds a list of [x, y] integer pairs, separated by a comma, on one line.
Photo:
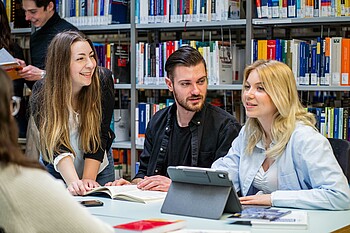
{"points": [[271, 218]]}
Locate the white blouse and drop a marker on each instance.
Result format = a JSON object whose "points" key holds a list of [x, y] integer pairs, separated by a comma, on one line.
{"points": [[266, 181], [78, 159]]}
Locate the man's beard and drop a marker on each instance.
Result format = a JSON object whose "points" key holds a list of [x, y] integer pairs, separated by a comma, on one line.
{"points": [[193, 108]]}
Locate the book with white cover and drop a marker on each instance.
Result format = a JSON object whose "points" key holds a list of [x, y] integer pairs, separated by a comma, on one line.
{"points": [[297, 219], [129, 193], [9, 64]]}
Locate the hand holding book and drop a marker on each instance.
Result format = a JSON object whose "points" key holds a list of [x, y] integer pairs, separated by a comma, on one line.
{"points": [[9, 64]]}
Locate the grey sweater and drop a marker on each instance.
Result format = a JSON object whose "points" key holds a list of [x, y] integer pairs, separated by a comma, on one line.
{"points": [[32, 201]]}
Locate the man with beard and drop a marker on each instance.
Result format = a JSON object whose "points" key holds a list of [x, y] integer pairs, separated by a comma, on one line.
{"points": [[191, 132]]}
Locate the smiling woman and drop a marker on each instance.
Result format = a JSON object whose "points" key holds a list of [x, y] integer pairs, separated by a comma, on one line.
{"points": [[73, 124], [279, 158], [83, 64]]}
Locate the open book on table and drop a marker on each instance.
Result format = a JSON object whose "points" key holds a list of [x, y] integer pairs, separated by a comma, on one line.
{"points": [[129, 193], [9, 64]]}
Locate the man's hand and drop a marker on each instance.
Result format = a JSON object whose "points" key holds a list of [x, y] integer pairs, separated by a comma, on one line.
{"points": [[155, 183], [21, 62], [119, 182], [31, 73], [263, 199]]}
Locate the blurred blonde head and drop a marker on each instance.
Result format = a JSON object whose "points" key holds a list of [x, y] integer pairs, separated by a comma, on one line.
{"points": [[279, 83]]}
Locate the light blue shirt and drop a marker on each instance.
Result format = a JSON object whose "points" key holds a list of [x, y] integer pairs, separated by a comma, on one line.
{"points": [[309, 176]]}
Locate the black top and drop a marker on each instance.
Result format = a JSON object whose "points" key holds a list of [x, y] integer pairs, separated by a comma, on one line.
{"points": [[179, 152], [41, 39], [212, 132]]}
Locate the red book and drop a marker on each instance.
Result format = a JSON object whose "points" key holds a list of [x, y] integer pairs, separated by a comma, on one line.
{"points": [[271, 49], [151, 226]]}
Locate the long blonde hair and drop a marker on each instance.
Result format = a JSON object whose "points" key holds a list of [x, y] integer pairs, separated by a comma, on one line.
{"points": [[56, 97], [279, 83]]}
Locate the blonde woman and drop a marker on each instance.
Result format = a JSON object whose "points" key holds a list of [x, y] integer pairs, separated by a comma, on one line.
{"points": [[279, 158], [72, 108]]}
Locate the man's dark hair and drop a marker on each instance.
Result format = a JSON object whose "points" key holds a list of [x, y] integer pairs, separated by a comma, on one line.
{"points": [[44, 3], [184, 56]]}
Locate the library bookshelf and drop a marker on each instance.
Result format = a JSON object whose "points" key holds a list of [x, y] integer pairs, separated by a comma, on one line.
{"points": [[241, 31]]}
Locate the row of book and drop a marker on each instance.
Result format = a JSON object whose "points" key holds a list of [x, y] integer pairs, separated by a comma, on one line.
{"points": [[225, 61], [115, 57], [122, 162], [324, 61], [15, 14], [93, 12], [144, 112], [332, 122], [165, 11], [302, 8], [78, 12]]}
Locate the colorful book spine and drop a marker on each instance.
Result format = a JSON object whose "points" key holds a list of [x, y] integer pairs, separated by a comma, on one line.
{"points": [[258, 8], [291, 8], [313, 79], [345, 62], [271, 49]]}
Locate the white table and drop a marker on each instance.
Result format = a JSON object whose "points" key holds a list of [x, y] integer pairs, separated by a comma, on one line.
{"points": [[116, 212]]}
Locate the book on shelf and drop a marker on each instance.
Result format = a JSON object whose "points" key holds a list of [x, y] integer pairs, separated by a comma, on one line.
{"points": [[9, 64], [317, 62], [129, 193], [297, 219], [151, 226]]}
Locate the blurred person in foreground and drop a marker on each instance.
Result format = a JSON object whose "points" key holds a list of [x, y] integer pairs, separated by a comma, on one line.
{"points": [[31, 200]]}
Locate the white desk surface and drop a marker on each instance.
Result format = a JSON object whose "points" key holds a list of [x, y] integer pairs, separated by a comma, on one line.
{"points": [[116, 212]]}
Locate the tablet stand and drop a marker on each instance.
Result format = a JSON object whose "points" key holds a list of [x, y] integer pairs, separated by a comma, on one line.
{"points": [[200, 200]]}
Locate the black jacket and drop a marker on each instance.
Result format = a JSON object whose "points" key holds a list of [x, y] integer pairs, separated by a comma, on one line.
{"points": [[41, 39], [212, 130], [107, 91]]}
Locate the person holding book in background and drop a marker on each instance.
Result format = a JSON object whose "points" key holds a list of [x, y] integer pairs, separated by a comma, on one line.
{"points": [[31, 200], [72, 108], [43, 16], [279, 158], [7, 42], [191, 132], [47, 23]]}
